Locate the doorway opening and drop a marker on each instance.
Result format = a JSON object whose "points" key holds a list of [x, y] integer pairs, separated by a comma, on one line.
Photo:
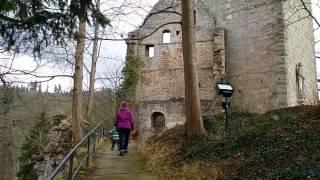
{"points": [[158, 122]]}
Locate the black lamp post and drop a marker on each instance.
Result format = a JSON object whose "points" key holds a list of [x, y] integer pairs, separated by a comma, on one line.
{"points": [[226, 90]]}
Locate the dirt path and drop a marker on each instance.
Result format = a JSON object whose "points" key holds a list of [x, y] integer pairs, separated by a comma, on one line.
{"points": [[110, 165]]}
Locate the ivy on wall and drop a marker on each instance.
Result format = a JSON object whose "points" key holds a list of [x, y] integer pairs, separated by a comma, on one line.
{"points": [[130, 74]]}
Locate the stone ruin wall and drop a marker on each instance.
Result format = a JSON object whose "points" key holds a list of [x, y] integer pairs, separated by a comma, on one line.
{"points": [[254, 52], [262, 51], [161, 86], [259, 46], [299, 46]]}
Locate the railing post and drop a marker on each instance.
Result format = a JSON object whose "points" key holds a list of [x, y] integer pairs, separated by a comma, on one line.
{"points": [[101, 132], [71, 167], [88, 152], [94, 143]]}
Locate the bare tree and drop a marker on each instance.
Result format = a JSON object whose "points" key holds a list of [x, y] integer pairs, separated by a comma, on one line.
{"points": [[93, 68], [77, 87]]}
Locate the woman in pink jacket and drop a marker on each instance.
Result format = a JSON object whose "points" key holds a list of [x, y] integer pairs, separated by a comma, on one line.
{"points": [[125, 124]]}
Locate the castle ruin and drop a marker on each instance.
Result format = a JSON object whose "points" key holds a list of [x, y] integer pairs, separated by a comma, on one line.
{"points": [[264, 48]]}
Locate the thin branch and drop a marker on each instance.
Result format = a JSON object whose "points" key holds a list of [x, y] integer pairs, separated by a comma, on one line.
{"points": [[22, 72], [159, 12], [141, 38], [309, 12]]}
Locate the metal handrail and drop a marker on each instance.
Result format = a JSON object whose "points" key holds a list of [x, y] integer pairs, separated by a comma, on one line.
{"points": [[70, 156]]}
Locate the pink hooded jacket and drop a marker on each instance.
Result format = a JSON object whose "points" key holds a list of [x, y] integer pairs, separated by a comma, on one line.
{"points": [[124, 118]]}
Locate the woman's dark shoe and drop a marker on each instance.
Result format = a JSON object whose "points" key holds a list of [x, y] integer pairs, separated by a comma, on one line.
{"points": [[121, 153]]}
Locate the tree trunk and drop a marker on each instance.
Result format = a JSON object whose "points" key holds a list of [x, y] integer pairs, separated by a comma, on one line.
{"points": [[93, 69], [6, 168], [194, 124], [12, 148], [77, 87], [18, 160]]}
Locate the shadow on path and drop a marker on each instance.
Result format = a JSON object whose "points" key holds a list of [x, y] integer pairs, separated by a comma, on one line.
{"points": [[132, 166]]}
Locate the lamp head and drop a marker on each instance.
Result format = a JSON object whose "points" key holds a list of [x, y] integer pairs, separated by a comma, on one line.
{"points": [[225, 89]]}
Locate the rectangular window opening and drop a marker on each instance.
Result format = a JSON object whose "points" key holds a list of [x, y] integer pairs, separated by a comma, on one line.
{"points": [[149, 50], [195, 17], [166, 37]]}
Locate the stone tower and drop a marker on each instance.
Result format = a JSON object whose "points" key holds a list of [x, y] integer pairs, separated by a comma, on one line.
{"points": [[264, 48], [265, 42]]}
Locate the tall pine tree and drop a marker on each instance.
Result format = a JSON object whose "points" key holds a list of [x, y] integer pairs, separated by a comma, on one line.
{"points": [[39, 23]]}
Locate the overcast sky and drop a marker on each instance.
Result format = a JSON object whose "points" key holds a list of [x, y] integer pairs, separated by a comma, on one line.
{"points": [[112, 52]]}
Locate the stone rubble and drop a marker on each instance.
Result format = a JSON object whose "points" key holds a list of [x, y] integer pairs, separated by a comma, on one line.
{"points": [[59, 144]]}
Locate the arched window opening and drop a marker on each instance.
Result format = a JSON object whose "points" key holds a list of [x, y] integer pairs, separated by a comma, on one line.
{"points": [[166, 36], [158, 122]]}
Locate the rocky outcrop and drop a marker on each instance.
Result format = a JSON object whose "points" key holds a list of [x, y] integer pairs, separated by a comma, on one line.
{"points": [[59, 143]]}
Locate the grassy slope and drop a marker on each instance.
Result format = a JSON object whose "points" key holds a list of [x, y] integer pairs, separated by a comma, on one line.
{"points": [[280, 144]]}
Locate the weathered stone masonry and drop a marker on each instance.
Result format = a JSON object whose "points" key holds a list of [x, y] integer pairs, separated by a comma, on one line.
{"points": [[253, 44], [265, 41]]}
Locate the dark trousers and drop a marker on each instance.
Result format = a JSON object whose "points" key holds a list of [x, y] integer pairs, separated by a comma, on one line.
{"points": [[115, 142], [124, 138]]}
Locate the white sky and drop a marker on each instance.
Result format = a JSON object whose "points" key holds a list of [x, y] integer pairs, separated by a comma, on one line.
{"points": [[112, 52], [316, 13]]}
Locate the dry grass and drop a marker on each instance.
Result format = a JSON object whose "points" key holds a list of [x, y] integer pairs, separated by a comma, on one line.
{"points": [[160, 149]]}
